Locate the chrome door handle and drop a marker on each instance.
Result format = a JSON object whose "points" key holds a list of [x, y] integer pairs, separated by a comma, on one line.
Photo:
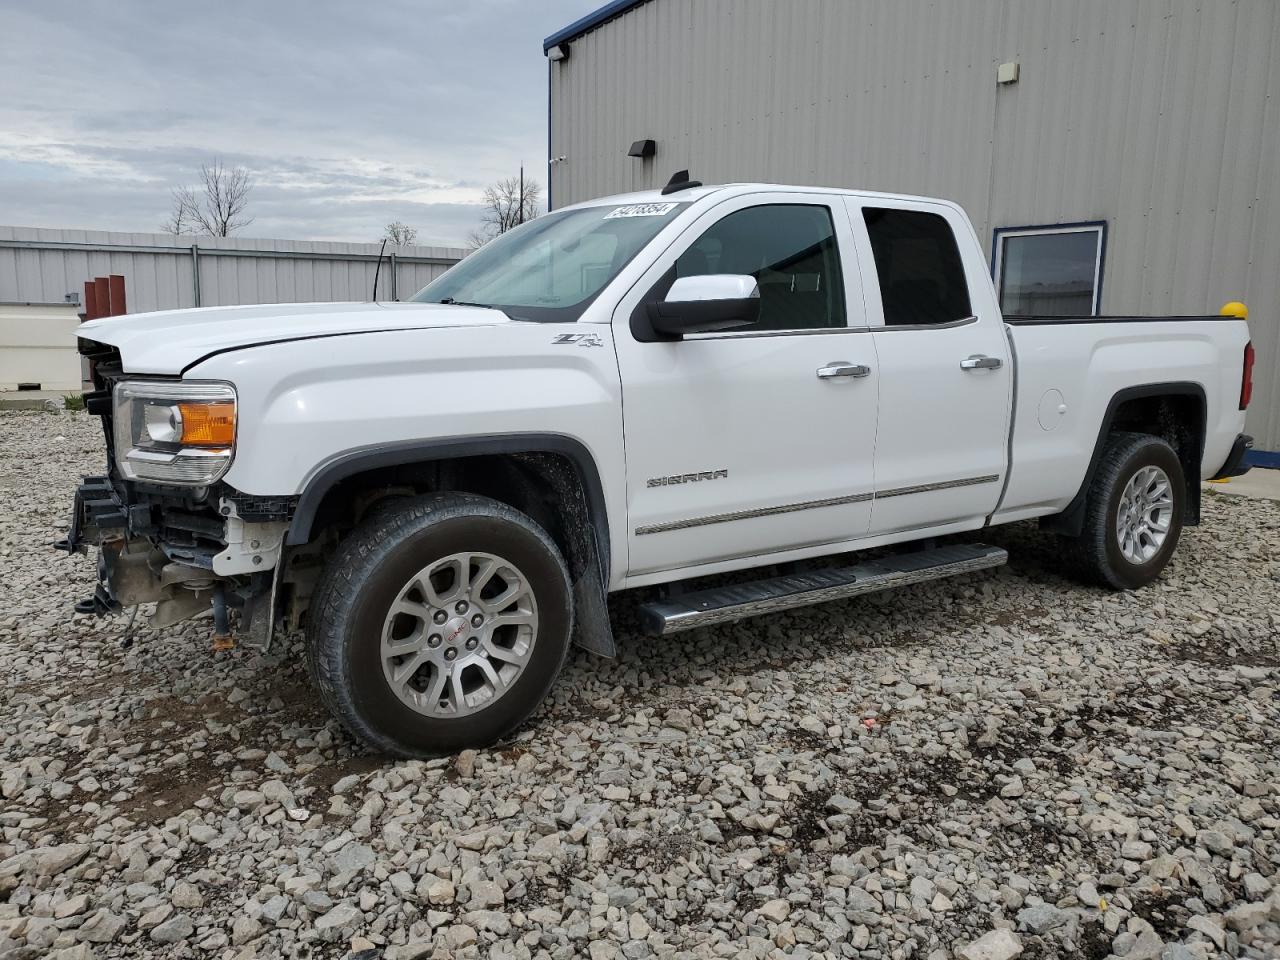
{"points": [[980, 362], [843, 368]]}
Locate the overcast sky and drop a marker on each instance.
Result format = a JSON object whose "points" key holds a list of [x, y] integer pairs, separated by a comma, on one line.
{"points": [[349, 114]]}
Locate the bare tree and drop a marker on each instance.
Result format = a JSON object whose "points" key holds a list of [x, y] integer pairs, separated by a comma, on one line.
{"points": [[401, 234], [505, 207], [216, 207], [180, 222]]}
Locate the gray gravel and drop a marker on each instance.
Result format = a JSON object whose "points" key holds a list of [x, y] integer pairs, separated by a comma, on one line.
{"points": [[1002, 765]]}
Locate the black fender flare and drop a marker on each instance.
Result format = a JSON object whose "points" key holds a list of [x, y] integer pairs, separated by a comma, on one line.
{"points": [[401, 453], [1071, 520], [595, 632]]}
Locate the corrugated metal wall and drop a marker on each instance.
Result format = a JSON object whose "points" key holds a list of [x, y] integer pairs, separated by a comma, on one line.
{"points": [[42, 266], [1161, 117]]}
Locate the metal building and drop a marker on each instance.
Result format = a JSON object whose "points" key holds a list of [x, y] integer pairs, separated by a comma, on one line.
{"points": [[42, 274], [1116, 156]]}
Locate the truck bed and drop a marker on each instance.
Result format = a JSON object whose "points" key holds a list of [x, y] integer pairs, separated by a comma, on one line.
{"points": [[1071, 370]]}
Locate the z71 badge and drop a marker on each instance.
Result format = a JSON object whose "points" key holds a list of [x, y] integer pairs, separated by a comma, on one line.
{"points": [[688, 478], [578, 340]]}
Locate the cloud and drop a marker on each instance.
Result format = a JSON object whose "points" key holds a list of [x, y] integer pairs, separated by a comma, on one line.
{"points": [[348, 116]]}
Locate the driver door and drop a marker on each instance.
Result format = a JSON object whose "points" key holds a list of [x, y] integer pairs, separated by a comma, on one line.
{"points": [[756, 441]]}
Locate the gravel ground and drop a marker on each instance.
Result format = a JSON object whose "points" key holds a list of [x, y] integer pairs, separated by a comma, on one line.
{"points": [[997, 765]]}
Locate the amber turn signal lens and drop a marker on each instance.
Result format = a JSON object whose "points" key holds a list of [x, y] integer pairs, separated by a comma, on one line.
{"points": [[208, 424]]}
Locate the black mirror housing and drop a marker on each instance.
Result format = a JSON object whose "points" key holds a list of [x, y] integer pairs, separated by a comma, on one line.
{"points": [[675, 318]]}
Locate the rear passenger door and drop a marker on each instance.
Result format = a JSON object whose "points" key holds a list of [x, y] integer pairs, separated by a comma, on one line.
{"points": [[945, 370]]}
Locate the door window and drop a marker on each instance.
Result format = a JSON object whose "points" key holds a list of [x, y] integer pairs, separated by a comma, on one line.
{"points": [[1049, 271], [790, 250], [922, 280]]}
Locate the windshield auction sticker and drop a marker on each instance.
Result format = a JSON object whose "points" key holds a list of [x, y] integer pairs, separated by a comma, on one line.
{"points": [[642, 210]]}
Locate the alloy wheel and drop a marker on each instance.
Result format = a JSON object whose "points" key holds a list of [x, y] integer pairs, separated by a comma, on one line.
{"points": [[459, 634]]}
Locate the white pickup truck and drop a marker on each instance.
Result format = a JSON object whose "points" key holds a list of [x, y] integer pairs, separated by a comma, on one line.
{"points": [[634, 392]]}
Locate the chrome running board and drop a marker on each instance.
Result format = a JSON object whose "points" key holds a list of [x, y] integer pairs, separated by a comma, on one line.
{"points": [[702, 608]]}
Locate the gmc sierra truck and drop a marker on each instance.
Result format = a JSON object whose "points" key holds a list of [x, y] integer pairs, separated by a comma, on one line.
{"points": [[636, 392]]}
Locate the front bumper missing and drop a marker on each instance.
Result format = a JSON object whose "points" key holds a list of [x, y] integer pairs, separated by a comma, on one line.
{"points": [[96, 509], [96, 514], [139, 562]]}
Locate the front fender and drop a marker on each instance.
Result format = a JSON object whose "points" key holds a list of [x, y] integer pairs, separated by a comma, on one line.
{"points": [[311, 410]]}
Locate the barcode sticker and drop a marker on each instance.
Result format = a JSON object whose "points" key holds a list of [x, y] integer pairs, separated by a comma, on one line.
{"points": [[642, 210]]}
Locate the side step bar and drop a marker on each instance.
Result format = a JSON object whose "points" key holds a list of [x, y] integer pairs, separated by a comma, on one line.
{"points": [[702, 608]]}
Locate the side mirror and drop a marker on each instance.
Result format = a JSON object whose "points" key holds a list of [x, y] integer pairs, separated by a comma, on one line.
{"points": [[721, 301]]}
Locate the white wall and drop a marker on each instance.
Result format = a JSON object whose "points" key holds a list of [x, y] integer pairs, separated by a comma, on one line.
{"points": [[160, 271], [38, 345]]}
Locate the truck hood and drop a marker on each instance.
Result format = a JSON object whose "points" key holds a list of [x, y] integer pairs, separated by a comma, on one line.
{"points": [[170, 341]]}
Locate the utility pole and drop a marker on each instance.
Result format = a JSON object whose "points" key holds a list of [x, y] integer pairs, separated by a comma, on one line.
{"points": [[520, 215]]}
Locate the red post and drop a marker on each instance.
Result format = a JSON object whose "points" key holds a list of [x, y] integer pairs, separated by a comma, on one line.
{"points": [[115, 286], [104, 296], [91, 301]]}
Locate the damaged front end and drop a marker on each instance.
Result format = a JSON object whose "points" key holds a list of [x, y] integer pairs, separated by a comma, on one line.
{"points": [[190, 557], [190, 544]]}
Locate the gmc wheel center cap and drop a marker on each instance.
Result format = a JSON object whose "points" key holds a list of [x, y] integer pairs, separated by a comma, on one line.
{"points": [[455, 630]]}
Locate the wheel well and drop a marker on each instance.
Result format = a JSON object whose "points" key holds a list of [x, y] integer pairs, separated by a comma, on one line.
{"points": [[1178, 419], [1174, 412], [545, 486], [549, 477]]}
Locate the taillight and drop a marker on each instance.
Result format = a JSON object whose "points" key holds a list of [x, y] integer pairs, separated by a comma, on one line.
{"points": [[1246, 382]]}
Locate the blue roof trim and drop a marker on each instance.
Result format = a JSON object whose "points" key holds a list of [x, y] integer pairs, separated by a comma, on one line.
{"points": [[579, 27]]}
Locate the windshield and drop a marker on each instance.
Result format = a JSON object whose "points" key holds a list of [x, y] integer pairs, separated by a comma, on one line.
{"points": [[551, 268]]}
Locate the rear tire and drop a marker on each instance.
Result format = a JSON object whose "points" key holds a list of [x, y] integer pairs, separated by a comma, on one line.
{"points": [[1133, 513], [439, 624]]}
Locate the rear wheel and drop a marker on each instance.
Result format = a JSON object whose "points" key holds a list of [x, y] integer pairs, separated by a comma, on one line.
{"points": [[1133, 512], [440, 624]]}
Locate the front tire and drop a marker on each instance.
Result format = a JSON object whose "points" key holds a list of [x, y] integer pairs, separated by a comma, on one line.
{"points": [[1133, 513], [439, 624]]}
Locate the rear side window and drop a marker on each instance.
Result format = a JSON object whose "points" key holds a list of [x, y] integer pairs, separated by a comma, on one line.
{"points": [[790, 250], [922, 280]]}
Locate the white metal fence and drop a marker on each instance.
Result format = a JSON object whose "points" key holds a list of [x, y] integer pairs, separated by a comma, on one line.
{"points": [[164, 272]]}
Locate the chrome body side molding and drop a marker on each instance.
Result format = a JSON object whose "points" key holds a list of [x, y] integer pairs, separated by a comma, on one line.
{"points": [[930, 487], [670, 525], [750, 514]]}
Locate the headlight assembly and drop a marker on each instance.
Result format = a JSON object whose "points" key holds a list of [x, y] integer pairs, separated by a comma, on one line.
{"points": [[182, 432]]}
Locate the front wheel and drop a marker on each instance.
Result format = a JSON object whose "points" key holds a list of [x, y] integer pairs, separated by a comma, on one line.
{"points": [[1133, 512], [439, 624]]}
